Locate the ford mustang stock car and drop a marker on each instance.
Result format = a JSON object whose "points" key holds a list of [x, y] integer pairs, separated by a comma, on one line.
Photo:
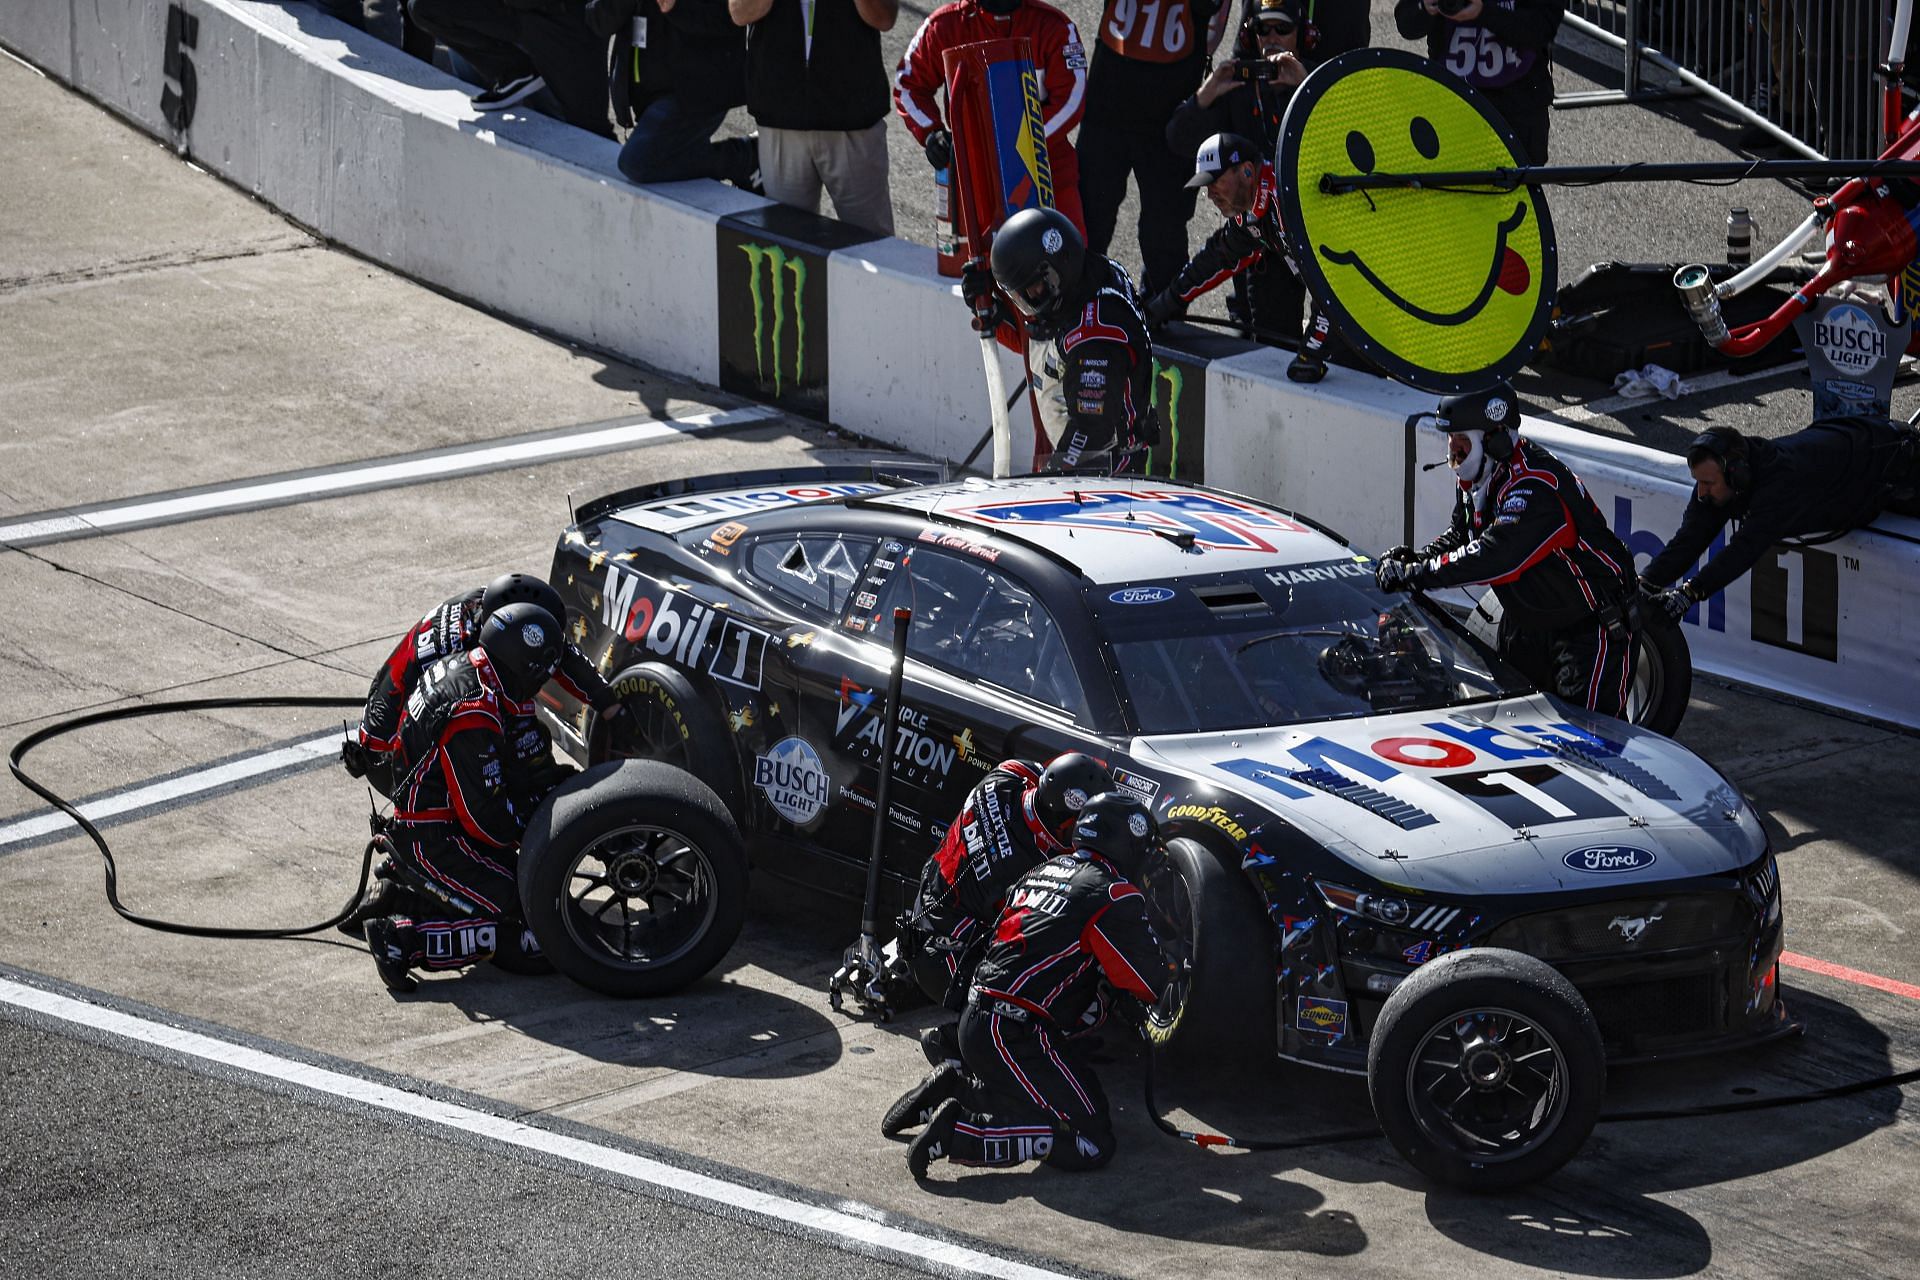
{"points": [[1351, 786]]}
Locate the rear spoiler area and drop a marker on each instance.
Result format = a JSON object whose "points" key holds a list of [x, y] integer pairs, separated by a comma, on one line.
{"points": [[887, 471]]}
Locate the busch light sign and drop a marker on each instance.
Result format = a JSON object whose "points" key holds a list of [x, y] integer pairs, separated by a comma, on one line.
{"points": [[1853, 353], [793, 780]]}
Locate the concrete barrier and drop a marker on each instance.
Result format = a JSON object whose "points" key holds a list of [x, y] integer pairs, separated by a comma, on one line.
{"points": [[385, 155]]}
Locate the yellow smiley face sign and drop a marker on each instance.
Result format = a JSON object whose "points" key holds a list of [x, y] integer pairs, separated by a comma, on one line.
{"points": [[1444, 289]]}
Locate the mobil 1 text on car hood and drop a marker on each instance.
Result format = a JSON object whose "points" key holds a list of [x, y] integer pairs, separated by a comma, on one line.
{"points": [[1520, 796]]}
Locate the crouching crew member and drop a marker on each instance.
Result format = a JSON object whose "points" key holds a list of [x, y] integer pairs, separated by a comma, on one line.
{"points": [[1525, 525], [456, 825], [1089, 359], [1027, 1092], [1016, 818], [379, 755]]}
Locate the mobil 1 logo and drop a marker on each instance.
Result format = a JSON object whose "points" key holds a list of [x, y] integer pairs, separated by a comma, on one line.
{"points": [[1795, 594], [661, 622]]}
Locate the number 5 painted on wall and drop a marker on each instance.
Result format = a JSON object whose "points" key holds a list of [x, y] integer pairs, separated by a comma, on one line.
{"points": [[183, 33]]}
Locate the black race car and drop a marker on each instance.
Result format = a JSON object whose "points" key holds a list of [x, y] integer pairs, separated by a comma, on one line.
{"points": [[1352, 787]]}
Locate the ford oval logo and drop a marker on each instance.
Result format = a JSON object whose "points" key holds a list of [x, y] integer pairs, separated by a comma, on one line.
{"points": [[1609, 859], [1142, 595]]}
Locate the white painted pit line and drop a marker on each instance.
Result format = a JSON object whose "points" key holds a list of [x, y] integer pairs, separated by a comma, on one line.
{"points": [[289, 488], [844, 1229]]}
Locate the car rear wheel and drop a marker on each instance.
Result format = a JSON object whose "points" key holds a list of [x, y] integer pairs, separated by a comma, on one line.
{"points": [[633, 878], [663, 717], [1220, 1005], [1486, 1069]]}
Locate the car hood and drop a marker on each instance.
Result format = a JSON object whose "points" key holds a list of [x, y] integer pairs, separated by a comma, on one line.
{"points": [[1521, 796]]}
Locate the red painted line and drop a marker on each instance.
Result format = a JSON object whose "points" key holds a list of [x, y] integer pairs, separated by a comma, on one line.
{"points": [[1829, 969]]}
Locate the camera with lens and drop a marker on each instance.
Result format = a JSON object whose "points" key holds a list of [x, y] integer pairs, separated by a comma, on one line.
{"points": [[1450, 7], [1255, 69]]}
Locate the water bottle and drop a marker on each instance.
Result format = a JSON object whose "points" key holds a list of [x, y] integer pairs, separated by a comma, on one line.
{"points": [[1739, 237]]}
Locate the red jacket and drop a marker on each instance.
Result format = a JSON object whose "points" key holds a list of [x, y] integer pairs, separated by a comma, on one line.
{"points": [[1058, 56]]}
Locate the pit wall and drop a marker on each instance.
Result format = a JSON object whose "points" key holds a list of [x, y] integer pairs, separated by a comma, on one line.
{"points": [[384, 155]]}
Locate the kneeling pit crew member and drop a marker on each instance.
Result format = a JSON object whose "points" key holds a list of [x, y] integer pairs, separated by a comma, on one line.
{"points": [[379, 756], [1016, 818], [1525, 525], [457, 823], [1250, 243], [1027, 1092], [1089, 359]]}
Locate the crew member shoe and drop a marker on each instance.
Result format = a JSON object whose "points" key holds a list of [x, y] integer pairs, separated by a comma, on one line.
{"points": [[935, 1141], [917, 1105], [383, 943], [941, 1044], [510, 94], [1305, 368]]}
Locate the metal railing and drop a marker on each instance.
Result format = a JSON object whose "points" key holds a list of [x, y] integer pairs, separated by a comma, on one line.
{"points": [[1802, 70]]}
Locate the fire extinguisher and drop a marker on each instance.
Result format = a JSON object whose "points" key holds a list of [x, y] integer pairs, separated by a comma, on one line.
{"points": [[944, 238]]}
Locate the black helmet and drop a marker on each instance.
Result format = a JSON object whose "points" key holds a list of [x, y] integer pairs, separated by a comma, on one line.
{"points": [[1494, 408], [1037, 257], [1117, 826], [1069, 782], [520, 588], [522, 642]]}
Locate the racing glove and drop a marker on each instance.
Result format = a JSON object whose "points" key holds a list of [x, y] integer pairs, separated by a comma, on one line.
{"points": [[1675, 601], [1396, 575], [1162, 307], [939, 148], [1401, 552], [982, 297]]}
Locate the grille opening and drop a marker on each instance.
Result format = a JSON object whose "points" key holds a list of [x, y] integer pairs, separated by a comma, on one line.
{"points": [[1232, 598]]}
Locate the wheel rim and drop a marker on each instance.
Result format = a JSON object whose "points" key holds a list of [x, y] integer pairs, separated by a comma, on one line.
{"points": [[1649, 682], [1490, 1084], [645, 731], [639, 897], [1170, 907]]}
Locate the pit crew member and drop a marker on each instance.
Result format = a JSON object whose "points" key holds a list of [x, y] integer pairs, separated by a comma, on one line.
{"points": [[1835, 475], [1016, 818], [1060, 60], [1089, 359], [1525, 525], [1027, 1092], [456, 824]]}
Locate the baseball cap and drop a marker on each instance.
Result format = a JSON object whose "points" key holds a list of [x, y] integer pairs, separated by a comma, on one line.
{"points": [[1275, 11], [1217, 155]]}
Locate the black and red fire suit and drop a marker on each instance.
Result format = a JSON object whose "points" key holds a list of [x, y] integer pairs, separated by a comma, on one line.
{"points": [[997, 838], [1060, 61], [452, 628], [1068, 923], [1563, 577], [1254, 244], [1092, 383], [457, 821]]}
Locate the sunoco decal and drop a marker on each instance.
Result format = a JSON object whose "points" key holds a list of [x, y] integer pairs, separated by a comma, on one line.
{"points": [[794, 781], [1609, 859], [1323, 1017], [1142, 595]]}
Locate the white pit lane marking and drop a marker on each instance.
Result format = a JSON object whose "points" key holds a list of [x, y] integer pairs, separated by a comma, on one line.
{"points": [[291, 488], [846, 1229], [190, 784]]}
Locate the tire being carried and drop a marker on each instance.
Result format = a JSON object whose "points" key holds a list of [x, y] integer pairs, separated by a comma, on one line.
{"points": [[633, 878], [1486, 1069]]}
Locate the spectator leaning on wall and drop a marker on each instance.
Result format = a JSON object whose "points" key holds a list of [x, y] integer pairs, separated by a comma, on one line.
{"points": [[524, 46], [677, 67], [817, 87], [1059, 58], [1500, 47]]}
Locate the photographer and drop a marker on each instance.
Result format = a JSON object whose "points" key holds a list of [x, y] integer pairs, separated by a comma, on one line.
{"points": [[1500, 47], [1835, 475], [1248, 93]]}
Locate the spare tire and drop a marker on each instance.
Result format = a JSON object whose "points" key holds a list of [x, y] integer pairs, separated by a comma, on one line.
{"points": [[1486, 1069], [633, 878]]}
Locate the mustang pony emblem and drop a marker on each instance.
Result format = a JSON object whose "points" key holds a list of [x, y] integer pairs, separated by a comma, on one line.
{"points": [[1631, 927]]}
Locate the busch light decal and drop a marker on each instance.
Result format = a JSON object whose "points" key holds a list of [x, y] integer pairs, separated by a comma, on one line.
{"points": [[793, 780], [1142, 595], [1609, 859]]}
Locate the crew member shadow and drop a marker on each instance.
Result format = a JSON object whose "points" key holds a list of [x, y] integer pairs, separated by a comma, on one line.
{"points": [[1603, 1214]]}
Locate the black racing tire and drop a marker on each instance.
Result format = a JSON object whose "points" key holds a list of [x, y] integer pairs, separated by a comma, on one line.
{"points": [[1220, 1006], [1662, 675], [664, 717], [1486, 1069], [634, 879]]}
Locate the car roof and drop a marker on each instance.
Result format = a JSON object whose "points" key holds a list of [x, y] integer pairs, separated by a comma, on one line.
{"points": [[1124, 529]]}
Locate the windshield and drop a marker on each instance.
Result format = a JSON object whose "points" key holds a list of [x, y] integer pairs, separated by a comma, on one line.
{"points": [[1303, 643]]}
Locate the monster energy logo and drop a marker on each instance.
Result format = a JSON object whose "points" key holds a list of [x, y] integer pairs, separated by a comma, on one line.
{"points": [[1037, 130], [780, 265], [1175, 379]]}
